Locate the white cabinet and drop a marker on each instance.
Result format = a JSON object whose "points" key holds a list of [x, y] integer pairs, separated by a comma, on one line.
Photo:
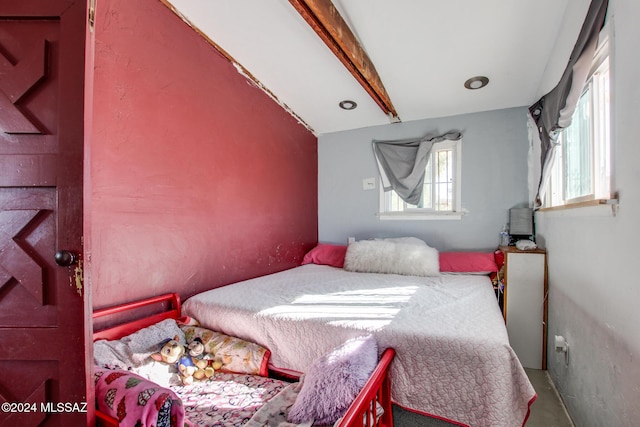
{"points": [[525, 304]]}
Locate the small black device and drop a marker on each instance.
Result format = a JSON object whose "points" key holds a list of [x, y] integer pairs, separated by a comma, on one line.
{"points": [[521, 224]]}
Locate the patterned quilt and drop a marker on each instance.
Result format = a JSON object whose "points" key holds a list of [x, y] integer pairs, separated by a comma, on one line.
{"points": [[136, 401], [453, 357], [226, 399]]}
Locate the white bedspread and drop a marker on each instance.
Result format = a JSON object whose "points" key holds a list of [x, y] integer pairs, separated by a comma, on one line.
{"points": [[453, 356]]}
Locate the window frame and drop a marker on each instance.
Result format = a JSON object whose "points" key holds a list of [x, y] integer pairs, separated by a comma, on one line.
{"points": [[428, 213], [600, 140]]}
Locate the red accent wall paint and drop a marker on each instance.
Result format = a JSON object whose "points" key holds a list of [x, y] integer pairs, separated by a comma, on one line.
{"points": [[197, 178]]}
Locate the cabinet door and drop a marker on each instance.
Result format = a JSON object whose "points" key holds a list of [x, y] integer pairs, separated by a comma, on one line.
{"points": [[525, 306]]}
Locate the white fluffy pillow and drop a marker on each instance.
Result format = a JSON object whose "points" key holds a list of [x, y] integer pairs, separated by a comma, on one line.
{"points": [[392, 257], [405, 240]]}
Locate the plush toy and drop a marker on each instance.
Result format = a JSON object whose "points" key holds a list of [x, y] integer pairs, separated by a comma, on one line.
{"points": [[205, 368], [173, 352], [197, 350]]}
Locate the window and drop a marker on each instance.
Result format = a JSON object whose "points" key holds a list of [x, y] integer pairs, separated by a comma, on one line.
{"points": [[582, 171], [441, 188]]}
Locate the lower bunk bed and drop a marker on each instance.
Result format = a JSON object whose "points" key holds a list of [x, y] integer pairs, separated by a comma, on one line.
{"points": [[346, 387]]}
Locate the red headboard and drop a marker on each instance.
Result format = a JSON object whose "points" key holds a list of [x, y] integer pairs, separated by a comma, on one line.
{"points": [[171, 310]]}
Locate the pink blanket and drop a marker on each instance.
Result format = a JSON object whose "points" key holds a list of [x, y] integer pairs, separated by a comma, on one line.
{"points": [[135, 401], [453, 356]]}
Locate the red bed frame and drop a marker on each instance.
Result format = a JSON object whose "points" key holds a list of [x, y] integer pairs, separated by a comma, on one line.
{"points": [[362, 412]]}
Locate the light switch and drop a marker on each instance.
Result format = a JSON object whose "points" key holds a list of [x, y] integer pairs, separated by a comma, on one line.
{"points": [[369, 184]]}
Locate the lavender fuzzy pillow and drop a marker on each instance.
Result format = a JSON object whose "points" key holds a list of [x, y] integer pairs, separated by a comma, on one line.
{"points": [[333, 381]]}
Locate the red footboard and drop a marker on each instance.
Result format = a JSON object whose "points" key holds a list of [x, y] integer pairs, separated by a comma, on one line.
{"points": [[364, 411]]}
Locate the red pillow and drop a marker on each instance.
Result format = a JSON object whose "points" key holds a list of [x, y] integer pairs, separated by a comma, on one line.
{"points": [[326, 254], [499, 256], [468, 262]]}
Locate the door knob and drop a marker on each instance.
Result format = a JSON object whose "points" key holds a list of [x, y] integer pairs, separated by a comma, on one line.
{"points": [[65, 258]]}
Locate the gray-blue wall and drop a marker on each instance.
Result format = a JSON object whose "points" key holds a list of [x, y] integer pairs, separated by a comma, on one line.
{"points": [[592, 252], [494, 179]]}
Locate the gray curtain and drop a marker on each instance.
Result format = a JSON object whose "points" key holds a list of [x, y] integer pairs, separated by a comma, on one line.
{"points": [[553, 111], [402, 163]]}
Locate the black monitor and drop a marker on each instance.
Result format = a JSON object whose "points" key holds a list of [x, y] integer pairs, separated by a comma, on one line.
{"points": [[521, 223]]}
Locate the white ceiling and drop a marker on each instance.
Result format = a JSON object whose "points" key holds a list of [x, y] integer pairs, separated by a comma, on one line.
{"points": [[423, 50]]}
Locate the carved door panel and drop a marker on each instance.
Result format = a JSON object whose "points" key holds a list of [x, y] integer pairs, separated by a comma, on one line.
{"points": [[42, 320]]}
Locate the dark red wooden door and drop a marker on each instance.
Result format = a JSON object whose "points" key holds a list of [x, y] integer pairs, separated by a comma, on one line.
{"points": [[42, 320]]}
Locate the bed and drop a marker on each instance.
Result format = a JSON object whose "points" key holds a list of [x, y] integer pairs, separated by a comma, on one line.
{"points": [[245, 395], [453, 359]]}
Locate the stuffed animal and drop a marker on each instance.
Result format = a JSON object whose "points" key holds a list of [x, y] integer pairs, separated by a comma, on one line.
{"points": [[196, 348], [173, 352], [205, 368]]}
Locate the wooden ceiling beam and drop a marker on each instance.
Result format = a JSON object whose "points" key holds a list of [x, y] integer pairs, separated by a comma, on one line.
{"points": [[327, 22]]}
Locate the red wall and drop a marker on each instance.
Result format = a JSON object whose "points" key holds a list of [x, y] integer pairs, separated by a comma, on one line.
{"points": [[196, 178]]}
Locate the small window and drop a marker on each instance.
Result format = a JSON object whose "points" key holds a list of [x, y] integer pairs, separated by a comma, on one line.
{"points": [[581, 171], [441, 189]]}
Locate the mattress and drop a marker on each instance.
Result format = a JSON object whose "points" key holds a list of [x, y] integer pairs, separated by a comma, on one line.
{"points": [[453, 358]]}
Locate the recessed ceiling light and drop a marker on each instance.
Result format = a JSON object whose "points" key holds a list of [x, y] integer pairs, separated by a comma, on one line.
{"points": [[348, 105], [477, 82]]}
